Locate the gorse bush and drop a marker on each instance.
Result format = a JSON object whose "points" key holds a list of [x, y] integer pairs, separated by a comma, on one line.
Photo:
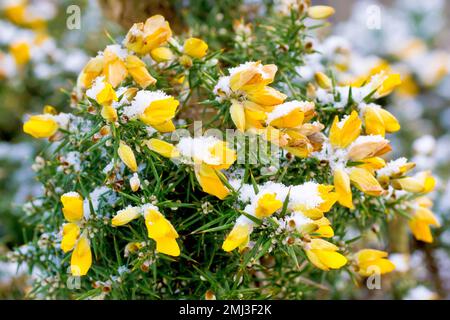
{"points": [[189, 172]]}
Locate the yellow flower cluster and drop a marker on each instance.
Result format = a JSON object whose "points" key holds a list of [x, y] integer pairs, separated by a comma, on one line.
{"points": [[352, 147], [208, 155], [259, 108]]}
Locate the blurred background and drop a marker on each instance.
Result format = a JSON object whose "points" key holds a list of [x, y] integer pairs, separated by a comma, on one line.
{"points": [[43, 47]]}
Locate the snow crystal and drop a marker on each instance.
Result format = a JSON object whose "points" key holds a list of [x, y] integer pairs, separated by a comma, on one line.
{"points": [[392, 167], [199, 148], [118, 51], [99, 85]]}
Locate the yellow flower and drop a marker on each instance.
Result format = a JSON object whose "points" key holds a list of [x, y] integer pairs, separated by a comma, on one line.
{"points": [[389, 83], [252, 74], [21, 52], [209, 180], [394, 169], [109, 113], [161, 54], [162, 231], [372, 164], [72, 206], [127, 156], [422, 219], [125, 216], [365, 147], [132, 247], [371, 262], [345, 131], [20, 13], [92, 70], [81, 260], [323, 255], [70, 235], [209, 155], [322, 80], [324, 229], [421, 182], [144, 37], [379, 121], [238, 237], [40, 126], [320, 12], [114, 68], [264, 95], [289, 114], [195, 48], [102, 92], [267, 205], [163, 148], [48, 109], [138, 71], [159, 114]]}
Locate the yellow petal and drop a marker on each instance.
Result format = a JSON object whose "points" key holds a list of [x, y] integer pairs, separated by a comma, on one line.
{"points": [[160, 111], [391, 124], [421, 230], [374, 122], [378, 266], [81, 259], [195, 48], [320, 12], [363, 148], [314, 258], [322, 80], [225, 156], [158, 226], [210, 182], [164, 127], [343, 189], [109, 113], [137, 69], [251, 75], [161, 54], [40, 126], [21, 52], [127, 156], [125, 216], [266, 96], [331, 259], [344, 132], [267, 205], [238, 115], [107, 95], [291, 120], [71, 231], [320, 244], [115, 71], [325, 231], [72, 206], [392, 81], [367, 255], [167, 246], [372, 164], [365, 181], [163, 148], [91, 70], [236, 237]]}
